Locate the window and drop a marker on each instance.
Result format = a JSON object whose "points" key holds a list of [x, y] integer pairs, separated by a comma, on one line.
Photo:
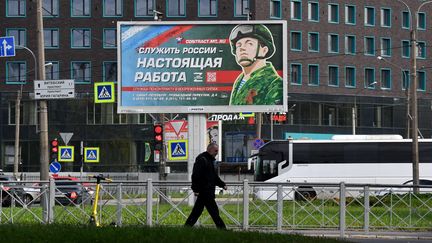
{"points": [[50, 8], [241, 8], [144, 8], [405, 79], [207, 8], [313, 11], [15, 8], [313, 42], [350, 44], [369, 43], [333, 76], [369, 16], [80, 8], [113, 8], [52, 71], [333, 43], [51, 38], [81, 38], [176, 8], [421, 49], [15, 72], [386, 47], [313, 75], [296, 76], [19, 36], [386, 79], [110, 38], [275, 9], [406, 49], [405, 20], [296, 11], [421, 80], [350, 76], [110, 72], [333, 13], [81, 72], [369, 78], [386, 17], [350, 14], [421, 21], [296, 44]]}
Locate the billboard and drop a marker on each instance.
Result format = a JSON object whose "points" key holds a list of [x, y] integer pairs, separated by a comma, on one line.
{"points": [[202, 67]]}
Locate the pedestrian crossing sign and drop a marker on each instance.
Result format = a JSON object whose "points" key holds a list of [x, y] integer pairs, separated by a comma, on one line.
{"points": [[177, 150], [66, 154], [91, 154], [104, 92]]}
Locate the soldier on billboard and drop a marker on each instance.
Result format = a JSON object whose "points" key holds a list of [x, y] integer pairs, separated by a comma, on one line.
{"points": [[259, 83]]}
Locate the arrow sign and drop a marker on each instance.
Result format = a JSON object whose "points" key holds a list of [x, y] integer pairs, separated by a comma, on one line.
{"points": [[7, 47]]}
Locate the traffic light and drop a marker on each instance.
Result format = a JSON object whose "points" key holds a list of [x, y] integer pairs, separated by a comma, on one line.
{"points": [[54, 149], [158, 136]]}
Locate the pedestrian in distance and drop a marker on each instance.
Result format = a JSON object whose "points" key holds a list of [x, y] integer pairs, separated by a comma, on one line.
{"points": [[204, 182]]}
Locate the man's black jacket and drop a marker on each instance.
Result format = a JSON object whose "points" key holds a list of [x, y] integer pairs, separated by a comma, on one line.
{"points": [[204, 176]]}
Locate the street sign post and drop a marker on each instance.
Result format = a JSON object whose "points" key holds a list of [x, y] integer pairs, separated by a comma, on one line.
{"points": [[54, 89], [7, 46]]}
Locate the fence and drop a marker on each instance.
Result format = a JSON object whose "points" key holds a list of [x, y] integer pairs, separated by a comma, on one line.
{"points": [[245, 205]]}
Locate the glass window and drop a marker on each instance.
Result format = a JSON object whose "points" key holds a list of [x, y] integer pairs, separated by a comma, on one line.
{"points": [[333, 76], [113, 8], [350, 14], [50, 8], [110, 38], [81, 38], [405, 20], [81, 72], [421, 21], [80, 8], [350, 44], [405, 79], [52, 71], [421, 49], [369, 16], [296, 76], [110, 72], [385, 17], [313, 11], [51, 38], [369, 78], [176, 8], [15, 72], [406, 46], [313, 42], [207, 8], [333, 43], [275, 9], [144, 8], [241, 7], [386, 47], [370, 46], [386, 79], [16, 8], [19, 36], [421, 80], [333, 13], [296, 11], [296, 41], [350, 76], [313, 74]]}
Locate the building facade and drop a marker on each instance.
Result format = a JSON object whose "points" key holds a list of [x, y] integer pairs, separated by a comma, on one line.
{"points": [[348, 62]]}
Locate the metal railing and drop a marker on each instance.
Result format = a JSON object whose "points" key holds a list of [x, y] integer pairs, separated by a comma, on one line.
{"points": [[245, 205]]}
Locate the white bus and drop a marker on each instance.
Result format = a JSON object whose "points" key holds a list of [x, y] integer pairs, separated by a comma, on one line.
{"points": [[369, 160]]}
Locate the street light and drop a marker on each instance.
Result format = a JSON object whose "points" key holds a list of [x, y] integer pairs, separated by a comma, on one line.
{"points": [[354, 109]]}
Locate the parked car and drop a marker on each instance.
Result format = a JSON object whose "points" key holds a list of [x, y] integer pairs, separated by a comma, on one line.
{"points": [[425, 187], [70, 191], [10, 190]]}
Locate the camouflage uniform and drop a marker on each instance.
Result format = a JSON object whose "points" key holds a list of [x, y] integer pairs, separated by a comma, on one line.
{"points": [[264, 87]]}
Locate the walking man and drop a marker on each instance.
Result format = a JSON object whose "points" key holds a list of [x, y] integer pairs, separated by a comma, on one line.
{"points": [[204, 182]]}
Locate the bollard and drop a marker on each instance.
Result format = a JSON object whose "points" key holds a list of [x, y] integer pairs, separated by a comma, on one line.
{"points": [[245, 205], [51, 202], [119, 205], [366, 209], [149, 202], [342, 204], [279, 207]]}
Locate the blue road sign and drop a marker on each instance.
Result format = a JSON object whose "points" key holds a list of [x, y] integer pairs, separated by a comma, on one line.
{"points": [[7, 46], [55, 167], [104, 92], [258, 143], [177, 150]]}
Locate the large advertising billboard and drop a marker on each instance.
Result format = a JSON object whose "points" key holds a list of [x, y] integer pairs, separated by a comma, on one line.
{"points": [[202, 67]]}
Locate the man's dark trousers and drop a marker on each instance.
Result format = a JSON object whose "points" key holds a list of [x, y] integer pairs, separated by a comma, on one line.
{"points": [[207, 201]]}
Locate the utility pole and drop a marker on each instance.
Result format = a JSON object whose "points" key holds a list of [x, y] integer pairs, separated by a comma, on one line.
{"points": [[414, 124], [17, 133]]}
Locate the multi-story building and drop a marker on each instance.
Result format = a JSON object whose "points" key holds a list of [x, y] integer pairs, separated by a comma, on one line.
{"points": [[347, 60]]}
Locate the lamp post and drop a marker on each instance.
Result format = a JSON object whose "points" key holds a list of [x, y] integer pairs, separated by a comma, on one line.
{"points": [[354, 109], [408, 116]]}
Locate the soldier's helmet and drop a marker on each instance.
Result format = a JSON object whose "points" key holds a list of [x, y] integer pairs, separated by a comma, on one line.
{"points": [[257, 31]]}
